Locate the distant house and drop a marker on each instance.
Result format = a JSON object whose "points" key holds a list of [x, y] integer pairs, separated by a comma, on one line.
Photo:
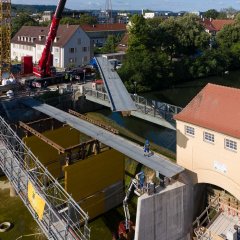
{"points": [[212, 26], [208, 137], [148, 15], [98, 33], [71, 45]]}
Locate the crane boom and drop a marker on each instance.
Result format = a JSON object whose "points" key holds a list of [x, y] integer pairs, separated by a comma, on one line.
{"points": [[43, 69]]}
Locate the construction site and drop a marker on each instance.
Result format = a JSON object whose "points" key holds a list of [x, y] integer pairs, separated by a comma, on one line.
{"points": [[69, 169]]}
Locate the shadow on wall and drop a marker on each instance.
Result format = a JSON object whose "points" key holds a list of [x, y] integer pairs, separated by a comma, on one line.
{"points": [[181, 139]]}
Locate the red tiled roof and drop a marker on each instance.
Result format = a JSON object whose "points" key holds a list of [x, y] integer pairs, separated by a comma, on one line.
{"points": [[216, 24], [216, 108], [104, 27], [64, 33]]}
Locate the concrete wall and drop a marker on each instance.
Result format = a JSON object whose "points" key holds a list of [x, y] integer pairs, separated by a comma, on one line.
{"points": [[83, 105], [209, 162], [165, 215]]}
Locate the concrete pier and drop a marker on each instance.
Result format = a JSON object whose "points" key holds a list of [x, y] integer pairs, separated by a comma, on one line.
{"points": [[165, 215]]}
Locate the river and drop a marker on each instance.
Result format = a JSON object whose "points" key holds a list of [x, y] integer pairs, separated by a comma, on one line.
{"points": [[178, 95]]}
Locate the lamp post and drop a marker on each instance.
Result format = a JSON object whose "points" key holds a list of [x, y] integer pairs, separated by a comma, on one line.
{"points": [[135, 88], [84, 75]]}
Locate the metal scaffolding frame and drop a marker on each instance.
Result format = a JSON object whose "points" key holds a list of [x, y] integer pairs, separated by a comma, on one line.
{"points": [[62, 217], [5, 37]]}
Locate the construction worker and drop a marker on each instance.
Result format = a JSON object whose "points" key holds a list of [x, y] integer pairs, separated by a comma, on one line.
{"points": [[146, 148]]}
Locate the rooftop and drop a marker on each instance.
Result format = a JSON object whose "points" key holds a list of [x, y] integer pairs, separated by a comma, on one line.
{"points": [[32, 35], [216, 24], [216, 108], [104, 27]]}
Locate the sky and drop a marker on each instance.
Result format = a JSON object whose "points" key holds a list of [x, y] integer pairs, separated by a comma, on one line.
{"points": [[171, 5]]}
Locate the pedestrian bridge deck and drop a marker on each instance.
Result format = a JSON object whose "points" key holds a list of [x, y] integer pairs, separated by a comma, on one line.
{"points": [[119, 98], [157, 162]]}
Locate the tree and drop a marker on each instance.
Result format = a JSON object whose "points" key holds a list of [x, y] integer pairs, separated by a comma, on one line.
{"points": [[87, 19], [110, 44], [69, 20], [229, 35], [23, 19], [211, 13], [84, 19], [230, 12]]}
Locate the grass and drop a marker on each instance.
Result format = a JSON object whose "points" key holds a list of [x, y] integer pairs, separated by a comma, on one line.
{"points": [[13, 210]]}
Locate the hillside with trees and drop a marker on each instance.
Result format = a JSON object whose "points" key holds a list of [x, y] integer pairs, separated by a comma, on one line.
{"points": [[32, 8]]}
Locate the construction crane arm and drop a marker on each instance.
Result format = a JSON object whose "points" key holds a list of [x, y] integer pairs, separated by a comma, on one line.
{"points": [[45, 63]]}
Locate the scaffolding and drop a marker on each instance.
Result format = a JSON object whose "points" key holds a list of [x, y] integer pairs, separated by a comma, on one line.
{"points": [[62, 217], [5, 38]]}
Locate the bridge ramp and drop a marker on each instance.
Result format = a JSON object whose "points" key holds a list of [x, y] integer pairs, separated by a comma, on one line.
{"points": [[120, 99]]}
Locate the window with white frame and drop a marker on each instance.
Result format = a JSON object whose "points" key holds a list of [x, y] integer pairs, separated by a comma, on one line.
{"points": [[189, 130], [230, 144], [208, 137]]}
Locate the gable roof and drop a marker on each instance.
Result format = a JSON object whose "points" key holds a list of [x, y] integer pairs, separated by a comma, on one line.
{"points": [[216, 24], [216, 108], [104, 27], [64, 33]]}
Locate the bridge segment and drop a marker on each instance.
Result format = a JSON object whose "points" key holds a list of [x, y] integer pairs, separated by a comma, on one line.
{"points": [[119, 98], [156, 162], [156, 112]]}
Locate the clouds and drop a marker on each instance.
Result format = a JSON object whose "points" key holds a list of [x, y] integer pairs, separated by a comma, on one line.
{"points": [[172, 5]]}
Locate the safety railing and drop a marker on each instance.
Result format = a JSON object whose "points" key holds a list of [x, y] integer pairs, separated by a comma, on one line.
{"points": [[146, 106], [62, 217]]}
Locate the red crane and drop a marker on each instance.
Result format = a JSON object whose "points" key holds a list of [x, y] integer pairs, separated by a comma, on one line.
{"points": [[45, 64]]}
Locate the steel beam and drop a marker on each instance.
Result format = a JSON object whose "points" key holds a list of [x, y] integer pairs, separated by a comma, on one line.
{"points": [[42, 137], [99, 124]]}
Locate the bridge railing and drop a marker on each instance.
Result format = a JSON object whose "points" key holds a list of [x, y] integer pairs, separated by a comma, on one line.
{"points": [[146, 106], [62, 217], [97, 94]]}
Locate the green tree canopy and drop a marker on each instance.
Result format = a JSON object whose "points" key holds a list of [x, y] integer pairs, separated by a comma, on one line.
{"points": [[84, 19], [211, 13], [110, 44], [23, 19], [229, 35]]}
